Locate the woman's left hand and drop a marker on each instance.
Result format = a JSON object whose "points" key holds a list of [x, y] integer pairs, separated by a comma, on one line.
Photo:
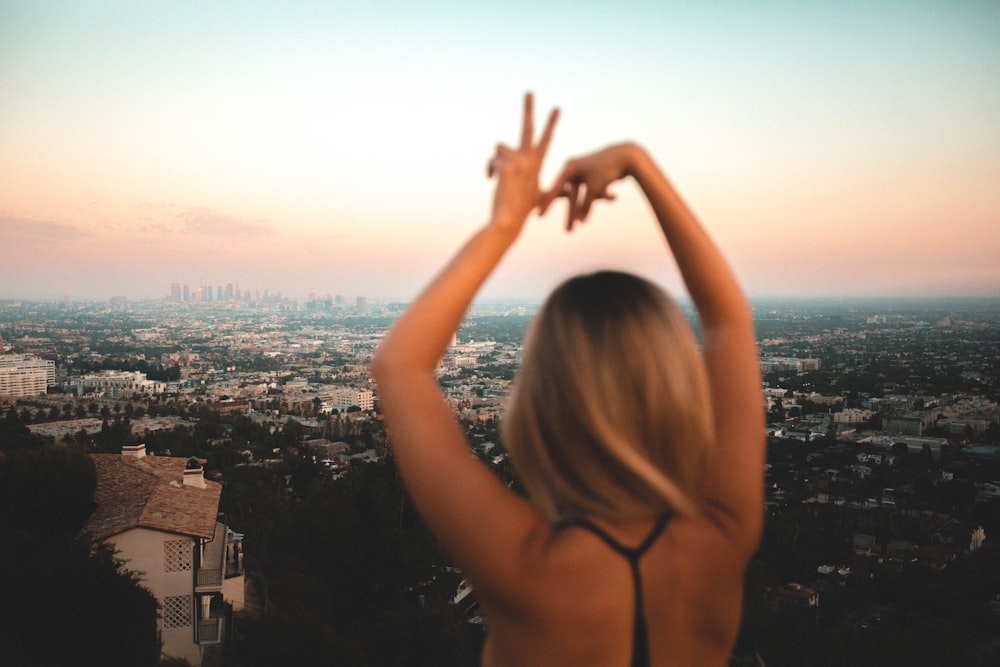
{"points": [[517, 169]]}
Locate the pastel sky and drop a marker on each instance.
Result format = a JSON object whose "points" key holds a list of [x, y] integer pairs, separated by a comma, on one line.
{"points": [[831, 148]]}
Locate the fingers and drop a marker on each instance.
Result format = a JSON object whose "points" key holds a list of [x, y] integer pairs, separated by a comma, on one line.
{"points": [[588, 201], [577, 209], [528, 125], [572, 194], [550, 195], [495, 162], [550, 126]]}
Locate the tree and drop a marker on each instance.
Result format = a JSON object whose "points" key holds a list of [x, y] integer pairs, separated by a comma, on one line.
{"points": [[49, 570], [957, 495], [343, 559], [777, 412], [13, 433]]}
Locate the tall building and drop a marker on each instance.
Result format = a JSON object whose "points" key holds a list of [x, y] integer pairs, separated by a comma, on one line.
{"points": [[175, 292], [21, 375]]}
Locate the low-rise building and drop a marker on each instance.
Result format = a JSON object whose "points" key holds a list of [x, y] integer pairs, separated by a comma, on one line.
{"points": [[117, 384], [162, 516], [343, 398]]}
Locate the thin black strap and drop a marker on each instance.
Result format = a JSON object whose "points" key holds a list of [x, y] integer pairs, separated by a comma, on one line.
{"points": [[631, 553], [640, 635]]}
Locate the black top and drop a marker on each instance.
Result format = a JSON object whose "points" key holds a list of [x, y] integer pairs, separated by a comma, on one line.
{"points": [[640, 639]]}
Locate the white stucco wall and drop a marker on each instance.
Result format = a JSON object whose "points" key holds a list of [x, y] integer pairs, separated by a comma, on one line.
{"points": [[144, 552]]}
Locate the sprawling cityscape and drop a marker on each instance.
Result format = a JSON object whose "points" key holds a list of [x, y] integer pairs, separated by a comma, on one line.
{"points": [[883, 476], [212, 212]]}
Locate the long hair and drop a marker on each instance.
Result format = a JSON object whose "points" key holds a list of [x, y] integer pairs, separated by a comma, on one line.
{"points": [[610, 414]]}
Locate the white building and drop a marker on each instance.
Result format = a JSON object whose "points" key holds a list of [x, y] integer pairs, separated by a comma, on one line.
{"points": [[792, 364], [345, 397], [118, 384], [161, 514], [852, 416], [21, 375]]}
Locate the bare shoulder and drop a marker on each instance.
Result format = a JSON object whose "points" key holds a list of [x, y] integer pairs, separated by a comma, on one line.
{"points": [[705, 543]]}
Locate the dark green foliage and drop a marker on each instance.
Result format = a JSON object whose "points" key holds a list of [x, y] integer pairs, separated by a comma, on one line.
{"points": [[14, 434], [62, 598], [353, 577], [46, 490]]}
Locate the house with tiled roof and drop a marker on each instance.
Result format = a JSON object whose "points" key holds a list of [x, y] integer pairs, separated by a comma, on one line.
{"points": [[162, 516]]}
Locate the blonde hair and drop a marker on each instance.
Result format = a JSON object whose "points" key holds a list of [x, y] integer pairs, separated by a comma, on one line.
{"points": [[610, 414]]}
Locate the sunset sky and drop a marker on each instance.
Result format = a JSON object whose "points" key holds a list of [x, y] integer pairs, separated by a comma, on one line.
{"points": [[831, 148]]}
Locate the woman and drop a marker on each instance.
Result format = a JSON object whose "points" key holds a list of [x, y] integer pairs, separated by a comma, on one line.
{"points": [[643, 458]]}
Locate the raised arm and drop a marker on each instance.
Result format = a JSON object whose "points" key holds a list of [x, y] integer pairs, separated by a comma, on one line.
{"points": [[734, 483], [476, 519]]}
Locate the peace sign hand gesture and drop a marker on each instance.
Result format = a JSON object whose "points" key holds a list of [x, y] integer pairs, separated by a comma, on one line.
{"points": [[517, 169]]}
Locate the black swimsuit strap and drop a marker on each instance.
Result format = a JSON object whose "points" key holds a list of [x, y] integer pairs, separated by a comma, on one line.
{"points": [[631, 553], [640, 635]]}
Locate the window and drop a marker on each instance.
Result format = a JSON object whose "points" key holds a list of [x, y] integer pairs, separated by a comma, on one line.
{"points": [[177, 556], [177, 611]]}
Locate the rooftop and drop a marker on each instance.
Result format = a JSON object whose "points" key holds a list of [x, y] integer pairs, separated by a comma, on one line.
{"points": [[149, 492]]}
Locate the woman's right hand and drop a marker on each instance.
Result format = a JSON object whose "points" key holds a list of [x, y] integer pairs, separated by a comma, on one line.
{"points": [[516, 169], [586, 179]]}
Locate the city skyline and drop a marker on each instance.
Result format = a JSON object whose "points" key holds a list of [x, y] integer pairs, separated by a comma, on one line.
{"points": [[830, 150]]}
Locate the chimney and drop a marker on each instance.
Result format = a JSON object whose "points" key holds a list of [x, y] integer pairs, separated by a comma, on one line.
{"points": [[133, 451], [194, 475]]}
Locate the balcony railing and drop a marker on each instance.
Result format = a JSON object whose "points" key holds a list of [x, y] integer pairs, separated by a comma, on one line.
{"points": [[209, 576], [210, 631], [213, 560]]}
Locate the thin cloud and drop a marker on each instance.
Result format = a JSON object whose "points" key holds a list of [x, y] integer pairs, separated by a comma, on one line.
{"points": [[26, 230], [207, 222]]}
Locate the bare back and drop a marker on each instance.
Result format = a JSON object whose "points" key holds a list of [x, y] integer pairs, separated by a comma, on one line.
{"points": [[576, 606]]}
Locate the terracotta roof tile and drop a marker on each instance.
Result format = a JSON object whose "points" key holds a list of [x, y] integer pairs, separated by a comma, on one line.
{"points": [[149, 492]]}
